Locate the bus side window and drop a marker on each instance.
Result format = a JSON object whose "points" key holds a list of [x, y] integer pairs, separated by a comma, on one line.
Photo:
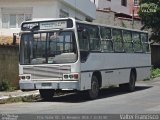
{"points": [[128, 44], [83, 38], [118, 40], [144, 39], [94, 38], [106, 41], [137, 42]]}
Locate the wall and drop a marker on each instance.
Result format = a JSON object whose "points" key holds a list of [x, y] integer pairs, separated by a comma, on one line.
{"points": [[72, 12], [84, 6], [48, 9], [41, 9], [115, 5], [9, 57], [108, 18]]}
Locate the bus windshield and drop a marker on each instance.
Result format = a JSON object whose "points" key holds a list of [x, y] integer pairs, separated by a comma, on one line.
{"points": [[55, 47]]}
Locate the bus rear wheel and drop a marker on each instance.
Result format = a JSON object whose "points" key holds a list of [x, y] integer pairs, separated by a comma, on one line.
{"points": [[94, 91], [46, 94], [131, 85]]}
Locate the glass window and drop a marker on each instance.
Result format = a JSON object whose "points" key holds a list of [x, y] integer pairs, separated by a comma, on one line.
{"points": [[28, 17], [144, 38], [106, 42], [124, 3], [20, 19], [127, 37], [118, 40], [48, 48], [137, 42], [105, 33], [136, 2], [13, 21], [83, 41], [5, 21], [107, 45], [94, 38]]}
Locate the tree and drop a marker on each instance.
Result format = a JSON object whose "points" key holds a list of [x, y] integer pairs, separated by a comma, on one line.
{"points": [[149, 13]]}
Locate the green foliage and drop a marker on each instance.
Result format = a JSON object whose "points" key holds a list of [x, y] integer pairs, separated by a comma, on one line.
{"points": [[150, 15], [155, 72], [6, 86]]}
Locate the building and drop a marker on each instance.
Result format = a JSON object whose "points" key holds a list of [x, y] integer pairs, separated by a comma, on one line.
{"points": [[118, 13], [118, 6], [127, 7], [14, 12], [134, 8]]}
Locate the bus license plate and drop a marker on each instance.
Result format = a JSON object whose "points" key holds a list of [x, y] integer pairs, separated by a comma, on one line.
{"points": [[46, 84]]}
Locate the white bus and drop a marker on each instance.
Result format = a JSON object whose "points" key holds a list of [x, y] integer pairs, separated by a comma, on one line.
{"points": [[67, 54]]}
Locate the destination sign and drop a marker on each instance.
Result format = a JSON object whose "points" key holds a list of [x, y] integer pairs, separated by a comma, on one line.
{"points": [[53, 25]]}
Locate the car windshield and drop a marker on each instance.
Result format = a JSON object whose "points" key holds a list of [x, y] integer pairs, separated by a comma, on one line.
{"points": [[48, 48]]}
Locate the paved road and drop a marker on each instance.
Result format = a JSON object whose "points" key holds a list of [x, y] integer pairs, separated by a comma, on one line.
{"points": [[146, 99]]}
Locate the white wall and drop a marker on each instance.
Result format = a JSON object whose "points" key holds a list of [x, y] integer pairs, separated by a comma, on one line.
{"points": [[41, 9], [49, 9], [72, 12], [115, 5], [85, 6]]}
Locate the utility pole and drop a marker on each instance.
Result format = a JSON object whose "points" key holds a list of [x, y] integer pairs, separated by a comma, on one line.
{"points": [[133, 14]]}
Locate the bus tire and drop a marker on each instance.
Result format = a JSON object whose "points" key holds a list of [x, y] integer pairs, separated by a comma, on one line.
{"points": [[46, 94], [94, 91], [131, 85]]}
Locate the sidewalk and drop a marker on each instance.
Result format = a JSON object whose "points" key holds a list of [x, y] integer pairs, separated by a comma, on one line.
{"points": [[17, 96]]}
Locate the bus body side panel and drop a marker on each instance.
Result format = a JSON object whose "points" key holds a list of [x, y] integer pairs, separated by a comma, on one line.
{"points": [[85, 82], [115, 68]]}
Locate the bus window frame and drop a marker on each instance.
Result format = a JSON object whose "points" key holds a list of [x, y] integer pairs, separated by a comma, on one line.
{"points": [[141, 51], [106, 40], [131, 41], [122, 41]]}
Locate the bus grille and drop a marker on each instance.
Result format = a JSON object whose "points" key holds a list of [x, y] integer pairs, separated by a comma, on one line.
{"points": [[47, 72]]}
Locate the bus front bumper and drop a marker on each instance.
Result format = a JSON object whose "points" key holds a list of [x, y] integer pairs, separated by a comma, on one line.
{"points": [[34, 85]]}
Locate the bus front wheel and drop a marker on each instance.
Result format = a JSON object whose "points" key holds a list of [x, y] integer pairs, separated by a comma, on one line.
{"points": [[94, 91], [46, 94]]}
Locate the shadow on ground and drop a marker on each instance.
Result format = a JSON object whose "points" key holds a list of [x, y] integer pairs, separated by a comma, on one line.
{"points": [[104, 93]]}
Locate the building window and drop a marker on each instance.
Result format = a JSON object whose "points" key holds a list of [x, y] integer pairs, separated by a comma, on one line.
{"points": [[14, 20], [124, 3], [63, 14], [136, 2], [13, 17]]}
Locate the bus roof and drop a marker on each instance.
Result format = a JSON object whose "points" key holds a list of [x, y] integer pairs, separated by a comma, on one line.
{"points": [[84, 22], [110, 26]]}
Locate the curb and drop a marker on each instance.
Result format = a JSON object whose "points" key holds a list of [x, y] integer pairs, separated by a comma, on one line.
{"points": [[26, 97]]}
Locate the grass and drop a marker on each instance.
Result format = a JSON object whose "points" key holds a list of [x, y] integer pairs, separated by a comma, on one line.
{"points": [[6, 86], [155, 72]]}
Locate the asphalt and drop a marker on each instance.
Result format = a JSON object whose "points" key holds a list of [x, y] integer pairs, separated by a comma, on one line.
{"points": [[20, 96]]}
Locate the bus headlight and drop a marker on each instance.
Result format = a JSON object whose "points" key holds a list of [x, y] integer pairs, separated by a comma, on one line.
{"points": [[73, 76]]}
